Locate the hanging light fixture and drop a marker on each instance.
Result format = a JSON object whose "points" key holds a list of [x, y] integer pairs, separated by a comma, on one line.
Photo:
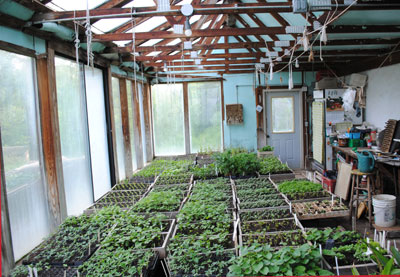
{"points": [[297, 63], [188, 28], [187, 10]]}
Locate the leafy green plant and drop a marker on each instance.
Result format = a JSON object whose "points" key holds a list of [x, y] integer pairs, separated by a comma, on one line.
{"points": [[236, 163], [263, 204], [119, 262], [262, 260], [299, 186], [264, 214], [76, 239], [162, 201], [272, 164], [266, 148]]}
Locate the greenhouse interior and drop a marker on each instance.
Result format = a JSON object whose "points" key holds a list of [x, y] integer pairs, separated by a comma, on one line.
{"points": [[184, 138]]}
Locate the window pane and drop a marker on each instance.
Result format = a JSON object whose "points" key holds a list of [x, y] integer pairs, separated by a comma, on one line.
{"points": [[74, 136], [282, 115], [205, 116], [169, 137], [142, 125], [98, 131], [131, 123], [27, 203], [118, 128]]}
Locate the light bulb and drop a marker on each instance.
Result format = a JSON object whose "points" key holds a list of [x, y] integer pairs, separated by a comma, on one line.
{"points": [[188, 32], [297, 64]]}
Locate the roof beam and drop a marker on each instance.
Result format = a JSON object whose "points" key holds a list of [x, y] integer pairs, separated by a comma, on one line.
{"points": [[343, 53], [240, 32], [203, 9], [240, 45]]}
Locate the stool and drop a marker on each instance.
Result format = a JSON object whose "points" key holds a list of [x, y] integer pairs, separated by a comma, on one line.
{"points": [[356, 175]]}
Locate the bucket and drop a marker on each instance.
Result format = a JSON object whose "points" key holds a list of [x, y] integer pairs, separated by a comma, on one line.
{"points": [[384, 210]]}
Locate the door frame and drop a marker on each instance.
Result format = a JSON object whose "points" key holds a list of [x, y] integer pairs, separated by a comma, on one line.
{"points": [[266, 106]]}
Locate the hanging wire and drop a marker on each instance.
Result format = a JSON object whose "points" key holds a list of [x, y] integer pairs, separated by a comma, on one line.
{"points": [[89, 37], [133, 22]]}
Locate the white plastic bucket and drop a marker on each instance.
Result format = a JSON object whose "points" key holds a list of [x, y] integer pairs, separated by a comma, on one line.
{"points": [[384, 210]]}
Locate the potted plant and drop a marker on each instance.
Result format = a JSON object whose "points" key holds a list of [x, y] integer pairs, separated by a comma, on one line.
{"points": [[265, 151]]}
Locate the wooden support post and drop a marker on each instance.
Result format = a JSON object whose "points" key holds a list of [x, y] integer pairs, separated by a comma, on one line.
{"points": [[261, 139], [7, 253], [51, 137], [186, 117], [137, 127], [112, 123], [222, 115], [147, 122], [125, 127]]}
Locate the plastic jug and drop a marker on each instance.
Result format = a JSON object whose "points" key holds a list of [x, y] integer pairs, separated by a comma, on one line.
{"points": [[366, 161]]}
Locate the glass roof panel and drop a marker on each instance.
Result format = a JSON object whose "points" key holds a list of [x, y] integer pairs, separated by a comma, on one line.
{"points": [[174, 42], [71, 5], [106, 25], [140, 3], [151, 42], [150, 24]]}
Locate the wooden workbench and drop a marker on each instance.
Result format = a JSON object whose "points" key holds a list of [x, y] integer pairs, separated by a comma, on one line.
{"points": [[379, 164]]}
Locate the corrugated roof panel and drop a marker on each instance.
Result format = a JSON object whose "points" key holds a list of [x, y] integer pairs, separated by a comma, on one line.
{"points": [[73, 5], [285, 37], [377, 17], [268, 19], [248, 21], [150, 24], [151, 42], [294, 19], [106, 25], [140, 3]]}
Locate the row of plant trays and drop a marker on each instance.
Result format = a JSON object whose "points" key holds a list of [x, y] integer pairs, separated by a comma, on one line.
{"points": [[315, 205], [194, 231], [290, 175]]}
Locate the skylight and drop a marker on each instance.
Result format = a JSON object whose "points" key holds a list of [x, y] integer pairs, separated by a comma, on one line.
{"points": [[73, 5]]}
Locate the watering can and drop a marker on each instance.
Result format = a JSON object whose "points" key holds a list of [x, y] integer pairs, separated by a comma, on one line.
{"points": [[366, 161]]}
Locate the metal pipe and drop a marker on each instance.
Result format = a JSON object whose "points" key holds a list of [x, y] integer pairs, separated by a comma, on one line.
{"points": [[136, 14]]}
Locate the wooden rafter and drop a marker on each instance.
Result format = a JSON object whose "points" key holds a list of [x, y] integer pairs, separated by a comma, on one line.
{"points": [[248, 45], [242, 31], [343, 53]]}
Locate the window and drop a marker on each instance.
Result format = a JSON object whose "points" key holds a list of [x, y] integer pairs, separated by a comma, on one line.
{"points": [[168, 128], [131, 122], [25, 183], [282, 114], [205, 116], [74, 138], [142, 125], [118, 128], [98, 131]]}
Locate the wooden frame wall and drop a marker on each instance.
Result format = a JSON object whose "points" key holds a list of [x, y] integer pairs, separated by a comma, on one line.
{"points": [[7, 253], [125, 127]]}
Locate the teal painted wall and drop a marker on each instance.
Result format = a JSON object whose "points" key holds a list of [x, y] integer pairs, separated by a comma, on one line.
{"points": [[18, 38], [245, 135]]}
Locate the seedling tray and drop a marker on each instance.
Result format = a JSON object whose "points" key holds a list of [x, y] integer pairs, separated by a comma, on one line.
{"points": [[305, 196], [224, 256], [272, 204], [174, 180], [229, 242], [364, 269], [264, 214], [290, 175], [132, 186], [141, 179], [268, 226], [195, 229], [291, 238], [58, 271], [299, 210]]}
